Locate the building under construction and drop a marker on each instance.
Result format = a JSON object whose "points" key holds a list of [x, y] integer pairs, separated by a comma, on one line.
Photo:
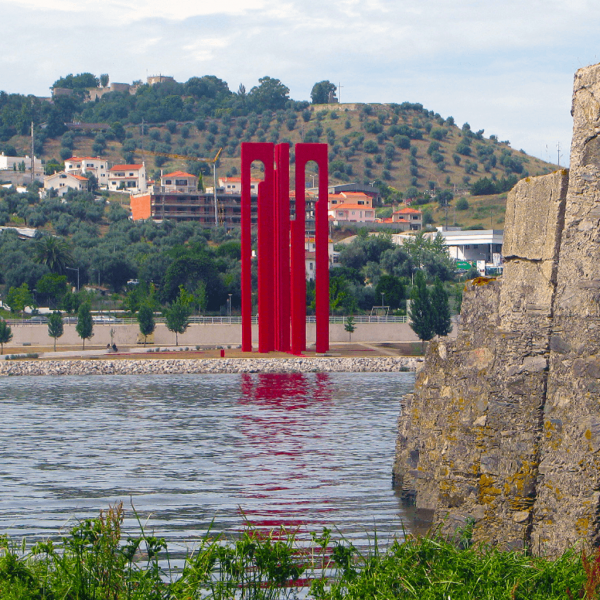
{"points": [[178, 198]]}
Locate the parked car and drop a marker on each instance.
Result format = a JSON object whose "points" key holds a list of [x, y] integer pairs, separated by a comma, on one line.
{"points": [[70, 320]]}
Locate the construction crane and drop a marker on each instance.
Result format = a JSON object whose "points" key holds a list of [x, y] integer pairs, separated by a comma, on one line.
{"points": [[212, 161]]}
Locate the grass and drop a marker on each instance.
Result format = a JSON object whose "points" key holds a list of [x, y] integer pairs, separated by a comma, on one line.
{"points": [[96, 560]]}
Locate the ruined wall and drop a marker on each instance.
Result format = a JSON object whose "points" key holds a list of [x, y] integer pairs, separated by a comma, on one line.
{"points": [[504, 425]]}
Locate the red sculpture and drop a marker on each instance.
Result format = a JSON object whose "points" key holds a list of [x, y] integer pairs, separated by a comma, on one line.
{"points": [[281, 250]]}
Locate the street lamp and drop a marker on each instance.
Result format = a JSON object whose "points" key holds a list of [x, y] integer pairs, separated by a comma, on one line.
{"points": [[230, 306], [75, 269]]}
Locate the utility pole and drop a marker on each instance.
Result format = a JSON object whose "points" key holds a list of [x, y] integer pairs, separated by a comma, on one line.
{"points": [[32, 155], [142, 142], [558, 153]]}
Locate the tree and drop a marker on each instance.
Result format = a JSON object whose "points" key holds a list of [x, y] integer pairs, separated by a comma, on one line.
{"points": [[18, 298], [85, 325], [270, 94], [53, 288], [53, 252], [5, 334], [392, 289], [178, 317], [440, 309], [421, 321], [323, 92], [104, 79], [55, 326], [145, 319], [350, 327]]}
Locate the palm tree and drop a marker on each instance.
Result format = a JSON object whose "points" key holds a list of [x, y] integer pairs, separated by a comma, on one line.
{"points": [[54, 252]]}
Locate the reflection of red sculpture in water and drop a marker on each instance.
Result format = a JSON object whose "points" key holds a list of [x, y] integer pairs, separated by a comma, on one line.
{"points": [[281, 249], [286, 436]]}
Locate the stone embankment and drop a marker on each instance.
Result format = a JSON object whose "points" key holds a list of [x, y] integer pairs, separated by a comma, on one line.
{"points": [[208, 366]]}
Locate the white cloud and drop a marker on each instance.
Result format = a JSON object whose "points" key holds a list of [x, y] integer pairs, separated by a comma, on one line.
{"points": [[506, 66]]}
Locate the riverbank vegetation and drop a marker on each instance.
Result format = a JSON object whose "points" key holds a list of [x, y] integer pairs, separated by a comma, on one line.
{"points": [[97, 559]]}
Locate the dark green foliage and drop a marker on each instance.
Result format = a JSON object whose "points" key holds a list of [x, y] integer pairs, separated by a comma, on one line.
{"points": [[51, 289], [323, 92], [55, 326], [350, 327], [270, 94], [178, 316], [145, 320], [392, 289], [486, 186], [73, 82], [5, 334], [440, 307], [462, 204], [85, 325], [54, 253], [421, 317]]}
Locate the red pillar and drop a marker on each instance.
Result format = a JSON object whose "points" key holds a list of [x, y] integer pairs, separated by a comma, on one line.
{"points": [[266, 249], [298, 262], [322, 251], [282, 210], [304, 154]]}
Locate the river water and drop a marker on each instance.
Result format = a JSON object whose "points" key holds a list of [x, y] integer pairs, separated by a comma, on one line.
{"points": [[302, 450]]}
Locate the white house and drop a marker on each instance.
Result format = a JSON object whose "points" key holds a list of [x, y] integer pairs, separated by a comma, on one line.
{"points": [[233, 185], [63, 182], [130, 178], [90, 165], [179, 182], [310, 256]]}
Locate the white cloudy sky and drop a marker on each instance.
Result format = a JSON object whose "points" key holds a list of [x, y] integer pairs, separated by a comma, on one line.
{"points": [[505, 66]]}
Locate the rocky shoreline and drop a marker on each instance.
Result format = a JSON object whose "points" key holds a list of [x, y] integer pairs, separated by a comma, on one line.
{"points": [[214, 366]]}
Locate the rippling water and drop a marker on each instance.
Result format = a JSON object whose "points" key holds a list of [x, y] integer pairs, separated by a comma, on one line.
{"points": [[301, 450]]}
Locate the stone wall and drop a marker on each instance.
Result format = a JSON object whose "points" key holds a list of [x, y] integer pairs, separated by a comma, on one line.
{"points": [[504, 425]]}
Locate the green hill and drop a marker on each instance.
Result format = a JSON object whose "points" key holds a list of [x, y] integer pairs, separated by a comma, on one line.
{"points": [[406, 149]]}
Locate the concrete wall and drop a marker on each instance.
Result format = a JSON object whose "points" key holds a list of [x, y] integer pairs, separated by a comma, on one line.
{"points": [[200, 334]]}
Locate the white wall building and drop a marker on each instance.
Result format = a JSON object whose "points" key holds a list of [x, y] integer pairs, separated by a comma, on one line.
{"points": [[63, 182], [90, 165], [233, 185], [130, 178], [18, 163], [474, 245]]}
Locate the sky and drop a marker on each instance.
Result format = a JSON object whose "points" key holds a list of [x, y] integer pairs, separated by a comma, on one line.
{"points": [[504, 66]]}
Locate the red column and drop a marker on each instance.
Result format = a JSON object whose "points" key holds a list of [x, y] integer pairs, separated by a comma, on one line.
{"points": [[304, 154], [282, 210], [322, 251], [246, 234], [298, 263], [266, 249]]}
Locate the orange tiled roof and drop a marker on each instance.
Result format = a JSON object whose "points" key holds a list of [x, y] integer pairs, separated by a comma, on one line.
{"points": [[408, 211], [178, 174], [78, 177], [126, 168]]}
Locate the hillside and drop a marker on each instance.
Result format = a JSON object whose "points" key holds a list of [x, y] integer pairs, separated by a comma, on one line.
{"points": [[407, 150]]}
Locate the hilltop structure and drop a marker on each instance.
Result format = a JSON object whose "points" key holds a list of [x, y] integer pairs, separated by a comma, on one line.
{"points": [[503, 428]]}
